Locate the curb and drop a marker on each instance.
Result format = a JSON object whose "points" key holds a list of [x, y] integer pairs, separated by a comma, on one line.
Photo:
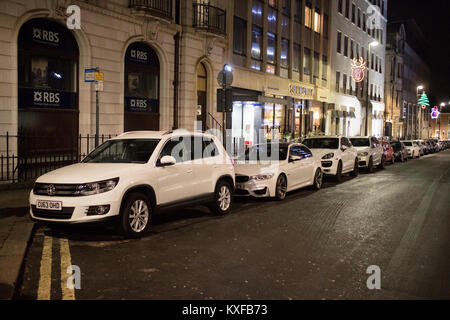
{"points": [[12, 256]]}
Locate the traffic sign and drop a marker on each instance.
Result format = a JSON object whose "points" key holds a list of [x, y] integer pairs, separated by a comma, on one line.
{"points": [[225, 78], [99, 76], [89, 75]]}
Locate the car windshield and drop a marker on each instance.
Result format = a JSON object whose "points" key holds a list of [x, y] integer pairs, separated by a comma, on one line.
{"points": [[360, 142], [322, 143], [266, 152], [123, 151], [408, 143], [396, 146]]}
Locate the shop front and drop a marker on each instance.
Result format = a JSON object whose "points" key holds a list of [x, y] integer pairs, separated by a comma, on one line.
{"points": [[377, 122], [344, 117], [47, 90]]}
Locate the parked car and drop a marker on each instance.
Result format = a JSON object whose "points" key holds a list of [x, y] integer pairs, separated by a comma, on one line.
{"points": [[131, 176], [337, 155], [388, 151], [412, 148], [422, 146], [273, 169], [433, 145], [370, 152], [442, 145], [428, 147], [400, 152]]}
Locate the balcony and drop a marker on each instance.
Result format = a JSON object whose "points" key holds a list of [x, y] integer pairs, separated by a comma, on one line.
{"points": [[210, 19], [157, 8]]}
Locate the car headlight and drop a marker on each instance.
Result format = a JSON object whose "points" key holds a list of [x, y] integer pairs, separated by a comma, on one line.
{"points": [[261, 177], [328, 156], [91, 188], [363, 154]]}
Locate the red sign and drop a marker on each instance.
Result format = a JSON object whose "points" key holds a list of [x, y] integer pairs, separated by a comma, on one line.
{"points": [[358, 69]]}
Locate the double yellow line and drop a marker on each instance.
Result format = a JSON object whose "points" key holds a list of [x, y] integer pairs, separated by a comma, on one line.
{"points": [[45, 277]]}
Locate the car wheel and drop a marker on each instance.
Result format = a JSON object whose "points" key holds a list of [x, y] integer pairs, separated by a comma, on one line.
{"points": [[136, 215], [281, 188], [318, 179], [223, 198], [355, 171], [338, 176], [370, 165], [381, 165]]}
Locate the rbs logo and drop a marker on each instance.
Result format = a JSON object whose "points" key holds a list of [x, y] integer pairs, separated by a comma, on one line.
{"points": [[45, 35], [139, 55], [138, 103], [46, 97]]}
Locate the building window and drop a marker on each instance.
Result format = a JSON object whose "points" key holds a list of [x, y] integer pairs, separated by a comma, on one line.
{"points": [[346, 46], [359, 18], [364, 22], [339, 42], [325, 26], [271, 48], [284, 53], [352, 49], [353, 13], [344, 84], [340, 9], [307, 61], [324, 67], [257, 12], [317, 21], [273, 3], [308, 15], [239, 36], [286, 7], [298, 11], [316, 64], [338, 81], [272, 20], [296, 57], [347, 9], [256, 42]]}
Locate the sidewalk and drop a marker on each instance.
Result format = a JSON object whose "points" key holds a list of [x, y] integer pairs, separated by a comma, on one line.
{"points": [[15, 231]]}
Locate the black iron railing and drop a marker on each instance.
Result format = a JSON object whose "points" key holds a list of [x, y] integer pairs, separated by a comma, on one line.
{"points": [[160, 8], [210, 18], [26, 166]]}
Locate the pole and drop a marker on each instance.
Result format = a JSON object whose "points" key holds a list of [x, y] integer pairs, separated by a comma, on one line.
{"points": [[97, 111], [367, 94], [224, 86]]}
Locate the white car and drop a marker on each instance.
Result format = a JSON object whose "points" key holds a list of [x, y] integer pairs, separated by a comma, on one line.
{"points": [[412, 148], [273, 169], [132, 175], [421, 145], [370, 152], [337, 155]]}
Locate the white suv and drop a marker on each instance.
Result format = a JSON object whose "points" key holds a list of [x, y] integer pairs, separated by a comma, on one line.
{"points": [[413, 148], [337, 155], [134, 174], [370, 152]]}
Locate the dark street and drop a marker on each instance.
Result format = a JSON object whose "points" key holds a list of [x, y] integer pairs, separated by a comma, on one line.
{"points": [[313, 245]]}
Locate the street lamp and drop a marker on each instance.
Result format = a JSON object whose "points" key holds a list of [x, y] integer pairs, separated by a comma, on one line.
{"points": [[371, 44], [420, 88]]}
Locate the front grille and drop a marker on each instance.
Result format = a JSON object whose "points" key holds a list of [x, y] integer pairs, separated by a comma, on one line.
{"points": [[327, 164], [242, 178], [362, 163], [64, 214], [241, 192], [65, 190]]}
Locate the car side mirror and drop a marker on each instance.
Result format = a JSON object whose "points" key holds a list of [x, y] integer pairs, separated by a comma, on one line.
{"points": [[294, 158], [167, 161]]}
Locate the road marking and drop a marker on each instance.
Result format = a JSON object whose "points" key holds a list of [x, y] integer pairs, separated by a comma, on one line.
{"points": [[67, 293], [45, 277]]}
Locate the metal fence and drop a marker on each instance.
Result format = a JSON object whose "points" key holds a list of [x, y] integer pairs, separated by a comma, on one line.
{"points": [[18, 166]]}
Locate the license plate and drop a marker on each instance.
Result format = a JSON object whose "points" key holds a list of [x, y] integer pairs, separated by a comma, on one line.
{"points": [[49, 205]]}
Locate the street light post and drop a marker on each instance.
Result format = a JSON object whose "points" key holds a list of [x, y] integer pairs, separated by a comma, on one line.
{"points": [[369, 66], [420, 87]]}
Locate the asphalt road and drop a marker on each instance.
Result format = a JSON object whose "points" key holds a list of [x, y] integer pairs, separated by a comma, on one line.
{"points": [[313, 245]]}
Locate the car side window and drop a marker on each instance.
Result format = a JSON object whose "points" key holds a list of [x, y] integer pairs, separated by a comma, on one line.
{"points": [[300, 151], [179, 148]]}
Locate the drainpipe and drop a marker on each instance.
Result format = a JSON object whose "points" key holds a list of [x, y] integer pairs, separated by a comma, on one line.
{"points": [[176, 80]]}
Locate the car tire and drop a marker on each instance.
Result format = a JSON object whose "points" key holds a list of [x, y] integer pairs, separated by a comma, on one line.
{"points": [[281, 188], [318, 179], [338, 175], [382, 162], [136, 215], [355, 171], [223, 198], [370, 166]]}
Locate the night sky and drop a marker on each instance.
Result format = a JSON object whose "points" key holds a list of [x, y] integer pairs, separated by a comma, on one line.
{"points": [[433, 17]]}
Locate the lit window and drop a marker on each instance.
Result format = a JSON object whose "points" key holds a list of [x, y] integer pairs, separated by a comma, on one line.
{"points": [[308, 17], [270, 69], [317, 21]]}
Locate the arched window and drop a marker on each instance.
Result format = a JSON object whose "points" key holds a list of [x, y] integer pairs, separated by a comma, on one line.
{"points": [[201, 96]]}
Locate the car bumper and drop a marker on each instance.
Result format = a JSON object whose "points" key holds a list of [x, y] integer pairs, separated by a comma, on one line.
{"points": [[257, 189], [363, 161], [76, 209], [329, 167]]}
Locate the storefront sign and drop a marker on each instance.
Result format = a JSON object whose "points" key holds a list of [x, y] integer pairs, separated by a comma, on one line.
{"points": [[358, 69], [45, 36], [141, 104], [300, 91], [139, 52], [46, 98]]}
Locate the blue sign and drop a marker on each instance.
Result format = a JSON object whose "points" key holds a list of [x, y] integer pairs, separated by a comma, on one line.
{"points": [[47, 98], [89, 75], [141, 104]]}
